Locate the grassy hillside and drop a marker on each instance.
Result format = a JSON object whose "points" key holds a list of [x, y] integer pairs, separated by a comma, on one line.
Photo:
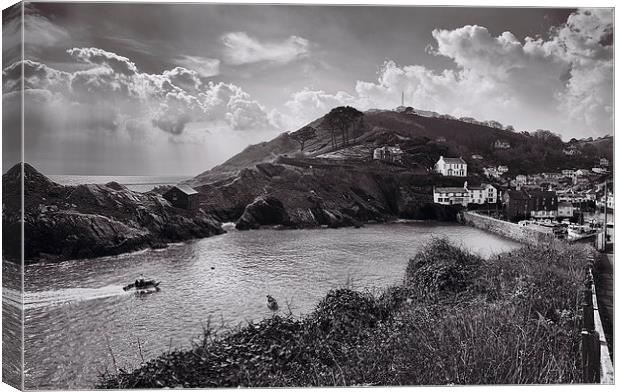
{"points": [[417, 136]]}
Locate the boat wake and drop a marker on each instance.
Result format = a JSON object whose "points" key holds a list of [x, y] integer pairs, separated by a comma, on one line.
{"points": [[41, 299]]}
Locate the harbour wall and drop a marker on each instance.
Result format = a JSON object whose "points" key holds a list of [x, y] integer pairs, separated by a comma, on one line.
{"points": [[524, 234]]}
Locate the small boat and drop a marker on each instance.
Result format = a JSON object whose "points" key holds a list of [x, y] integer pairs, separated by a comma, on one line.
{"points": [[272, 304], [576, 232], [143, 286]]}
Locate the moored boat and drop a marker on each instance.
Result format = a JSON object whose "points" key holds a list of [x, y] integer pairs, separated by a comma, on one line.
{"points": [[578, 232]]}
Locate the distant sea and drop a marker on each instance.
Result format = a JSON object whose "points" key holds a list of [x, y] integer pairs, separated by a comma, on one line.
{"points": [[135, 183]]}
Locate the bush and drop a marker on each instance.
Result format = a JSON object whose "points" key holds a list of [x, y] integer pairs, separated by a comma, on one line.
{"points": [[440, 268]]}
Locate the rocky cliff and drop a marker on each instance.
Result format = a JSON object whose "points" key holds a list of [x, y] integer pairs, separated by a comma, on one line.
{"points": [[313, 192], [68, 222]]}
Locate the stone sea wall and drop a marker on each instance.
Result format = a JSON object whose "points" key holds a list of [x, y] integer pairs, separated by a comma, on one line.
{"points": [[506, 229]]}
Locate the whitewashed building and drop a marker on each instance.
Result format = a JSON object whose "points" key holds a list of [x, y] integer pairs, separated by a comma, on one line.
{"points": [[501, 169], [544, 214], [451, 196], [565, 210], [456, 167], [485, 193], [568, 172], [521, 179]]}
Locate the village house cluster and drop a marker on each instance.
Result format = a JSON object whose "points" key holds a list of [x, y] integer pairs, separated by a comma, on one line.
{"points": [[541, 196], [546, 196]]}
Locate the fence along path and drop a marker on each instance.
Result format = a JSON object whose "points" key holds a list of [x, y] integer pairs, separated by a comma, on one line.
{"points": [[597, 366]]}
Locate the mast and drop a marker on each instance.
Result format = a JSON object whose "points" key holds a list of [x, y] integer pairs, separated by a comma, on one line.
{"points": [[402, 99]]}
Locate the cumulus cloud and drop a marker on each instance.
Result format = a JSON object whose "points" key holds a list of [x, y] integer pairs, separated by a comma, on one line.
{"points": [[113, 94], [563, 83], [95, 56], [240, 48], [205, 67], [310, 104]]}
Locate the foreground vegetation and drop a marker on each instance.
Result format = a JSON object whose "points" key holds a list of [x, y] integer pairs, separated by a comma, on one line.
{"points": [[456, 319]]}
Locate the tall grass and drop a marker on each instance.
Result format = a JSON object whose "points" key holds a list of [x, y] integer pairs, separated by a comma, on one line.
{"points": [[456, 319]]}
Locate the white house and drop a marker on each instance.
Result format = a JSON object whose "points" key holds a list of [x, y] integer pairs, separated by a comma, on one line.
{"points": [[552, 176], [565, 210], [571, 196], [491, 172], [544, 214], [485, 193], [450, 195], [599, 170], [501, 169], [568, 172], [451, 167], [521, 179], [477, 157]]}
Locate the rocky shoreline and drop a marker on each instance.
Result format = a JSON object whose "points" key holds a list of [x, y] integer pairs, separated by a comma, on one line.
{"points": [[91, 220], [94, 220]]}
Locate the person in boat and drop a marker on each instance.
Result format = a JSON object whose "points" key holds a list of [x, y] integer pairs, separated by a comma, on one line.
{"points": [[140, 282], [272, 304]]}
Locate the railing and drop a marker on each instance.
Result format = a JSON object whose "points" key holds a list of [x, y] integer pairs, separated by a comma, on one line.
{"points": [[596, 362]]}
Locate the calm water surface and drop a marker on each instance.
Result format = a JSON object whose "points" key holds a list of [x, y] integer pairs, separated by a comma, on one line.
{"points": [[77, 315]]}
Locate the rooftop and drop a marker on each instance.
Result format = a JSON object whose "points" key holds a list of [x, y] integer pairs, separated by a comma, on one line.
{"points": [[450, 190], [453, 160], [188, 190]]}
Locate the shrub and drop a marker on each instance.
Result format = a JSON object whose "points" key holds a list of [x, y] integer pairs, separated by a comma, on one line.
{"points": [[441, 267]]}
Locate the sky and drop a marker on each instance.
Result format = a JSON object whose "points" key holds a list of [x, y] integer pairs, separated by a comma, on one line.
{"points": [[148, 89]]}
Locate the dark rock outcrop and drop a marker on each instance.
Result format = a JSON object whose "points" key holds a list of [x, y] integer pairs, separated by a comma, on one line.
{"points": [[314, 192], [263, 211], [68, 222]]}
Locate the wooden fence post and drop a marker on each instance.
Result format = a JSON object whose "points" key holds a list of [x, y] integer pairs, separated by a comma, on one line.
{"points": [[588, 317], [587, 297], [590, 357]]}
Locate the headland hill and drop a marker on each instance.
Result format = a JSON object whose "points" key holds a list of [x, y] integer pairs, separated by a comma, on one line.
{"points": [[326, 174]]}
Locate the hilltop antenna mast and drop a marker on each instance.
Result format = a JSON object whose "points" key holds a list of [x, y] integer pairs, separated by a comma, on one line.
{"points": [[402, 99]]}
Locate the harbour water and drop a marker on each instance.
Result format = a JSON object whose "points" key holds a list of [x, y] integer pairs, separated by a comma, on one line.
{"points": [[79, 321]]}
